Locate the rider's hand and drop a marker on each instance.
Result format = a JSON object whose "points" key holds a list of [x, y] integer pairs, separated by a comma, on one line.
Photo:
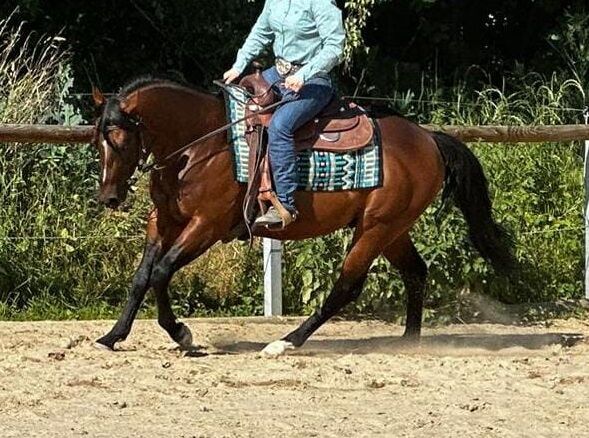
{"points": [[230, 75], [294, 83]]}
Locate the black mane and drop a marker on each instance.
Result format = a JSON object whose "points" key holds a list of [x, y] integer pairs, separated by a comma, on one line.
{"points": [[111, 114], [145, 81]]}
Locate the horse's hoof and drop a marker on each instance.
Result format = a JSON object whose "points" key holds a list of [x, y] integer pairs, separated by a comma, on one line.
{"points": [[104, 346], [277, 348], [185, 340]]}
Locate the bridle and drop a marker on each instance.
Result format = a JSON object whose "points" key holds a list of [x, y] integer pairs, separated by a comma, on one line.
{"points": [[134, 125]]}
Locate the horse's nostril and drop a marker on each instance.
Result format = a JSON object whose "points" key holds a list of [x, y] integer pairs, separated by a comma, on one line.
{"points": [[112, 202]]}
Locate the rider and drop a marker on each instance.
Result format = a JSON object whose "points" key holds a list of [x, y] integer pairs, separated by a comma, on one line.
{"points": [[308, 41]]}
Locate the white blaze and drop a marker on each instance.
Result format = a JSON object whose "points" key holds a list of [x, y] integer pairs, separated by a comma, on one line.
{"points": [[106, 151]]}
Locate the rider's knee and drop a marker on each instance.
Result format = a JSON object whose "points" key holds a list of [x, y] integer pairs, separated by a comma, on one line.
{"points": [[280, 129]]}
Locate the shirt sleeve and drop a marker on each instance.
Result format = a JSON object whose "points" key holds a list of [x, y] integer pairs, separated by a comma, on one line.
{"points": [[329, 21], [259, 38]]}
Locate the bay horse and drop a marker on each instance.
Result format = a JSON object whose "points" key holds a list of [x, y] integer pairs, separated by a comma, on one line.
{"points": [[198, 203]]}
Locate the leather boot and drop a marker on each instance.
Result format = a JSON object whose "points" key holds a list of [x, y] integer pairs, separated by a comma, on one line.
{"points": [[273, 219]]}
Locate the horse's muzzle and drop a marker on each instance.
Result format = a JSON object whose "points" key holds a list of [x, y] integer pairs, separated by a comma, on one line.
{"points": [[112, 202], [110, 197]]}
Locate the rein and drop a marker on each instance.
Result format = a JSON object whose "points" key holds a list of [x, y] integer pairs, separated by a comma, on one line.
{"points": [[162, 164]]}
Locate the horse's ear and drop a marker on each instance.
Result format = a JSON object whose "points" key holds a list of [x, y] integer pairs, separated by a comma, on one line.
{"points": [[98, 97], [129, 103]]}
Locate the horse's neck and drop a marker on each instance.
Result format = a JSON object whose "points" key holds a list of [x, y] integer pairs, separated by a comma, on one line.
{"points": [[175, 116]]}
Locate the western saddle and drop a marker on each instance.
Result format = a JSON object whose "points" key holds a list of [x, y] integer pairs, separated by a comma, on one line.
{"points": [[341, 127]]}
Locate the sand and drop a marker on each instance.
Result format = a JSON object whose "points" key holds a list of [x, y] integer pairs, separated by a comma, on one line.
{"points": [[353, 379]]}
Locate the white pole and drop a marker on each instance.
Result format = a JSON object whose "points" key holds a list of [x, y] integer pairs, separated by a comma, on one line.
{"points": [[586, 176], [272, 277]]}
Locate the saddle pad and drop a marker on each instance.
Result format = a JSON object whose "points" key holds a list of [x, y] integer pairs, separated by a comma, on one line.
{"points": [[318, 171]]}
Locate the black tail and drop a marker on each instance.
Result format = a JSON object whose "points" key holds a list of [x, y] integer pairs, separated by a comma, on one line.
{"points": [[467, 185]]}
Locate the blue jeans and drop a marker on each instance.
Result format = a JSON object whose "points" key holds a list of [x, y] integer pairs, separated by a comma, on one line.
{"points": [[313, 97]]}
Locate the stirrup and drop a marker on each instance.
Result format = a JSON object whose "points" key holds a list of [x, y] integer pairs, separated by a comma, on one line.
{"points": [[286, 216]]}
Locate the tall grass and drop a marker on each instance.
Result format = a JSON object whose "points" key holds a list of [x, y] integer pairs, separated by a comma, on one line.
{"points": [[46, 192]]}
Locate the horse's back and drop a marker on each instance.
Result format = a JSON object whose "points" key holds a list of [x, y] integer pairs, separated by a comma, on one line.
{"points": [[409, 146], [413, 171], [407, 141]]}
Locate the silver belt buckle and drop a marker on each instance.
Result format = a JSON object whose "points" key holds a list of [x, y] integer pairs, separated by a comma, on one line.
{"points": [[283, 66]]}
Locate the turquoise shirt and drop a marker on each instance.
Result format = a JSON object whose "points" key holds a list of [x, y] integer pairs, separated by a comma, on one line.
{"points": [[309, 32]]}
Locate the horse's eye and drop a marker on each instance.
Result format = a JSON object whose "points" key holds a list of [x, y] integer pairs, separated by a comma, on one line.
{"points": [[117, 137]]}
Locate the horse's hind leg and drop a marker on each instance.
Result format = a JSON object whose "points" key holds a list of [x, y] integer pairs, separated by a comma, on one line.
{"points": [[345, 291], [365, 248], [403, 255]]}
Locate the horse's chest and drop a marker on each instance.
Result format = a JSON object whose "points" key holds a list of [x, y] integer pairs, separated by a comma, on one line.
{"points": [[167, 197]]}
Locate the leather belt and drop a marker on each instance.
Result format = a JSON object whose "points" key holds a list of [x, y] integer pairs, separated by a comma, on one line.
{"points": [[286, 68]]}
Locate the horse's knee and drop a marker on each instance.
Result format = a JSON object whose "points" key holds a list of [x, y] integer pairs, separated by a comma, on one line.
{"points": [[160, 275], [165, 268], [142, 278], [143, 273]]}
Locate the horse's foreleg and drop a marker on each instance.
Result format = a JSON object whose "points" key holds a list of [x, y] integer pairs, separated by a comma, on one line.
{"points": [[365, 248], [162, 276], [190, 244], [139, 288], [403, 255]]}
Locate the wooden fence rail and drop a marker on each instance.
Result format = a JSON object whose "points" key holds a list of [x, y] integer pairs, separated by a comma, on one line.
{"points": [[492, 134], [45, 134]]}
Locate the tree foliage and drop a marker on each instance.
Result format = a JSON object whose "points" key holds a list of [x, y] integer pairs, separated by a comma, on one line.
{"points": [[395, 41]]}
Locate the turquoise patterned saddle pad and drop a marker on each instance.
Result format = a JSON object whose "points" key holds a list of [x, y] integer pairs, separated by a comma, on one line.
{"points": [[318, 171]]}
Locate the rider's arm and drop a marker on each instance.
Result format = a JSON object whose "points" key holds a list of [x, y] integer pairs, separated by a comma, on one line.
{"points": [[259, 38], [328, 18]]}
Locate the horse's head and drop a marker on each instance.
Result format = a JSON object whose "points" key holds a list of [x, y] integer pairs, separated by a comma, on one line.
{"points": [[119, 140]]}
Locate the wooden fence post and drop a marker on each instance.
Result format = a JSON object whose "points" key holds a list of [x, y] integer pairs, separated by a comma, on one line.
{"points": [[586, 212]]}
